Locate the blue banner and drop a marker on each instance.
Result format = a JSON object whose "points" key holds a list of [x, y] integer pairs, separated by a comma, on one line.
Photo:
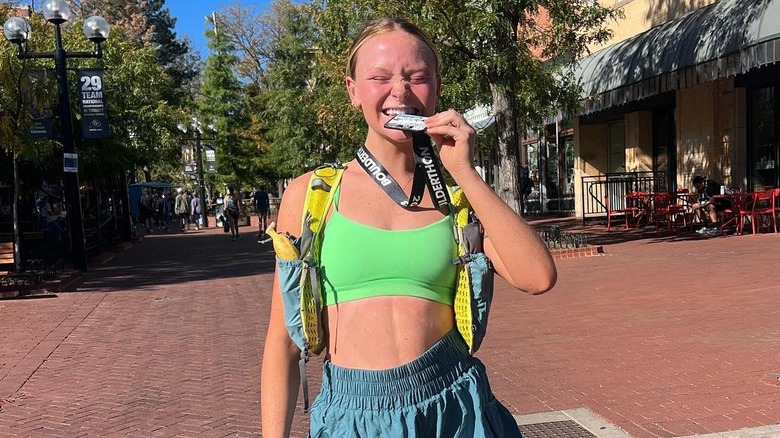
{"points": [[94, 114]]}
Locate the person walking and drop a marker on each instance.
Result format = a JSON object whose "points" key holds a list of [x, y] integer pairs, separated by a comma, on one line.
{"points": [[159, 209], [182, 209], [146, 204], [231, 214], [196, 209], [167, 211], [261, 202], [395, 364], [526, 187]]}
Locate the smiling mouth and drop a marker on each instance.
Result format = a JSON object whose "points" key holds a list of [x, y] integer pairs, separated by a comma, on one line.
{"points": [[396, 111]]}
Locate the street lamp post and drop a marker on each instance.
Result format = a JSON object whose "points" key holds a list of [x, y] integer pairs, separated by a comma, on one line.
{"points": [[198, 132], [96, 29]]}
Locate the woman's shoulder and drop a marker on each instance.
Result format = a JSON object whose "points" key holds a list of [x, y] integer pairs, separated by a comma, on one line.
{"points": [[291, 204]]}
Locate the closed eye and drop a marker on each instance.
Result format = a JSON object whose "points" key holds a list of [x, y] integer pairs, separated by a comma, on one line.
{"points": [[419, 79]]}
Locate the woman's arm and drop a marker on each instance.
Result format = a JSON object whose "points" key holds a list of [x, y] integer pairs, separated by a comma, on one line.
{"points": [[280, 377], [517, 252]]}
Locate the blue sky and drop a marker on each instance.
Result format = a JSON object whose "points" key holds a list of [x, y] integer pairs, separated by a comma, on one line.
{"points": [[191, 17]]}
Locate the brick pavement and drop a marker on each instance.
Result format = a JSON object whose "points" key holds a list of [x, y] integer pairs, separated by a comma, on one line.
{"points": [[663, 336]]}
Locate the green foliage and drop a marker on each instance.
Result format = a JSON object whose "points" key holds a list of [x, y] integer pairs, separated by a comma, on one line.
{"points": [[221, 103], [143, 124], [172, 53], [286, 103], [273, 86], [487, 44], [26, 86]]}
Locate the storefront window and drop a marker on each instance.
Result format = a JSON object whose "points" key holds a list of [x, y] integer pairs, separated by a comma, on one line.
{"points": [[616, 132], [763, 138]]}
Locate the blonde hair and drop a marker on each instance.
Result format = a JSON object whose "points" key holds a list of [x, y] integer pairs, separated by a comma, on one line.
{"points": [[383, 25]]}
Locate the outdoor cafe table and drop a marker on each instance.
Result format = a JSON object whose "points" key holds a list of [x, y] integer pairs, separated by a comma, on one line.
{"points": [[735, 208], [643, 202], [646, 208]]}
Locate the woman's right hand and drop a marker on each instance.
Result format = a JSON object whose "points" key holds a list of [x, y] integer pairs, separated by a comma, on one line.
{"points": [[455, 139]]}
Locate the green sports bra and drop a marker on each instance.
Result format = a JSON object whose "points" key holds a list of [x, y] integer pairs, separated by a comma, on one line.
{"points": [[358, 261]]}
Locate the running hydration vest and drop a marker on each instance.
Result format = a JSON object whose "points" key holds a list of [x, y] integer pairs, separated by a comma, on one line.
{"points": [[300, 281]]}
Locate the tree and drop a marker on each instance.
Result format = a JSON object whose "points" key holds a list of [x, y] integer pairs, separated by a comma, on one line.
{"points": [[173, 53], [127, 15], [287, 100], [220, 102], [514, 55], [290, 90], [143, 122], [253, 34]]}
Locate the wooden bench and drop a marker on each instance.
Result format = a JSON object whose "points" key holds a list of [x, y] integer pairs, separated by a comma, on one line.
{"points": [[6, 256]]}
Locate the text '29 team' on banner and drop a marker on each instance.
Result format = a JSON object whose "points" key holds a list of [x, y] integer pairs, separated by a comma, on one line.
{"points": [[94, 114]]}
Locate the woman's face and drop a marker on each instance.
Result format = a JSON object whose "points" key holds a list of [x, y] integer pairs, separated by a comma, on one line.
{"points": [[394, 73]]}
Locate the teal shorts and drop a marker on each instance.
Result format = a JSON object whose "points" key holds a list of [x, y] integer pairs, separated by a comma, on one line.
{"points": [[443, 393]]}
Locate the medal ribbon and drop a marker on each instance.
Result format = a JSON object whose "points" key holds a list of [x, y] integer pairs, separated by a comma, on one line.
{"points": [[426, 172]]}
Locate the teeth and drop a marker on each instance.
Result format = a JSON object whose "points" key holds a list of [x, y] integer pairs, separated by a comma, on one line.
{"points": [[396, 111]]}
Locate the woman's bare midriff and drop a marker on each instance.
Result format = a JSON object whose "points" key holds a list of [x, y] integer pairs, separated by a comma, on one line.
{"points": [[385, 332]]}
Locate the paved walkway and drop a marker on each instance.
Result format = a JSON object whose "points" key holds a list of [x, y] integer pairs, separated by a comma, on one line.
{"points": [[664, 336]]}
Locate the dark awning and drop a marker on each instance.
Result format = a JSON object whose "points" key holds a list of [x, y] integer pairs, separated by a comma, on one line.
{"points": [[720, 40]]}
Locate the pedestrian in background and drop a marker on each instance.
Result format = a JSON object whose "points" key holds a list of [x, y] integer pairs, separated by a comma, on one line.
{"points": [[159, 209], [526, 187], [196, 209], [261, 210], [182, 209], [146, 204], [232, 213], [167, 211]]}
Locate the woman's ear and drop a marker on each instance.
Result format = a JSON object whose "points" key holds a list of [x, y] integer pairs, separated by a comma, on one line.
{"points": [[353, 97]]}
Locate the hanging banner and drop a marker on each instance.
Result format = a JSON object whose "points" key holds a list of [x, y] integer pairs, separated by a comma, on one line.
{"points": [[94, 115], [42, 124], [42, 120], [211, 159], [188, 159]]}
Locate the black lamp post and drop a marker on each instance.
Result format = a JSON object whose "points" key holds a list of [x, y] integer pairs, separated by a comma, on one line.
{"points": [[96, 29], [197, 129]]}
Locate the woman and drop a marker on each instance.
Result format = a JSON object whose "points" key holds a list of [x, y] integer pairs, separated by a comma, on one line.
{"points": [[196, 209], [385, 324], [231, 214]]}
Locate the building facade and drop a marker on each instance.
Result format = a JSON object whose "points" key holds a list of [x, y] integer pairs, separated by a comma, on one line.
{"points": [[684, 88]]}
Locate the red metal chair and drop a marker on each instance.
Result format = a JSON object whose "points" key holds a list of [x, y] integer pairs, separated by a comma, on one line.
{"points": [[763, 211], [627, 212], [641, 204], [744, 209], [776, 206], [735, 213], [686, 200], [667, 210]]}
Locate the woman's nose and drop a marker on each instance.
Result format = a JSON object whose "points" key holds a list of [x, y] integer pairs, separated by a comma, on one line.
{"points": [[400, 88]]}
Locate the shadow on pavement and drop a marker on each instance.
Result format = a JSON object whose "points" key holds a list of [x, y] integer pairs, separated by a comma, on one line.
{"points": [[597, 234], [161, 259]]}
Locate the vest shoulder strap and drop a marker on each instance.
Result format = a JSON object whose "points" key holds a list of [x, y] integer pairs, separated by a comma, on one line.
{"points": [[319, 197]]}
